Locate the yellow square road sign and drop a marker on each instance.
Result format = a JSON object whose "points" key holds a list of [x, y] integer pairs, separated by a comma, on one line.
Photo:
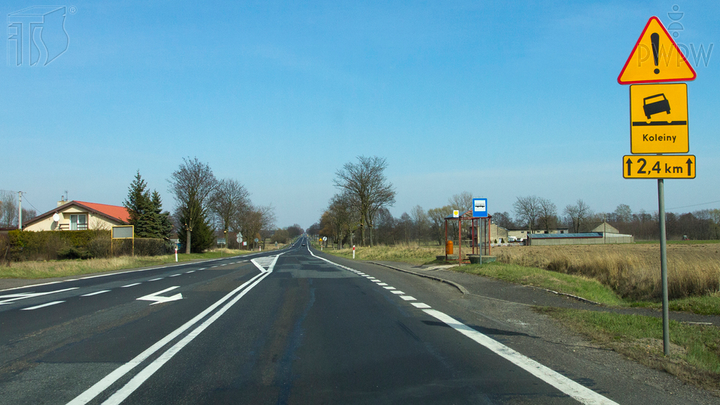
{"points": [[659, 166], [659, 118]]}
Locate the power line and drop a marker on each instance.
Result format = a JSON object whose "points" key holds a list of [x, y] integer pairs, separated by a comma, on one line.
{"points": [[695, 205], [26, 200]]}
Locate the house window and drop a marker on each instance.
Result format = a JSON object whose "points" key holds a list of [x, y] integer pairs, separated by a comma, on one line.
{"points": [[78, 222]]}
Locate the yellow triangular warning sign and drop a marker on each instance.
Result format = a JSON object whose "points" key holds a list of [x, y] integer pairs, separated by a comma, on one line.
{"points": [[656, 58]]}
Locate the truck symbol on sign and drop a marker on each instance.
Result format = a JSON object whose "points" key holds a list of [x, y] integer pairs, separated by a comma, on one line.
{"points": [[659, 105]]}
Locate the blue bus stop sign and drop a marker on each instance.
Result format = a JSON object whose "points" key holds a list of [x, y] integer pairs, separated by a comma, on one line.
{"points": [[480, 207]]}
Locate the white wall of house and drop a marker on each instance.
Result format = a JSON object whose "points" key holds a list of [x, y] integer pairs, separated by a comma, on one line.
{"points": [[72, 218]]}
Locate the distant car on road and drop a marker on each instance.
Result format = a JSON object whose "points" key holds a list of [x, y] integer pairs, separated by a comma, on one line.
{"points": [[303, 244], [658, 103]]}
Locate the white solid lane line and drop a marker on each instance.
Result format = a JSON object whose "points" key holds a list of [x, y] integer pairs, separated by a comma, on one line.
{"points": [[148, 371], [47, 304], [118, 373], [95, 293]]}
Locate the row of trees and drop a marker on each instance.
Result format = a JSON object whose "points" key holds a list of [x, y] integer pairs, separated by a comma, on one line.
{"points": [[534, 213], [283, 235], [9, 210], [531, 213], [539, 213], [205, 205]]}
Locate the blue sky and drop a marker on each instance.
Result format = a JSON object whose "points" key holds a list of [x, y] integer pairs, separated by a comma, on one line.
{"points": [[499, 99]]}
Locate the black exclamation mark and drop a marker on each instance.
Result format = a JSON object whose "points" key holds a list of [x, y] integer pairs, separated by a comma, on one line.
{"points": [[655, 40]]}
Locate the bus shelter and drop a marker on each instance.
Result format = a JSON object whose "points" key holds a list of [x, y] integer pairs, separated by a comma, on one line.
{"points": [[469, 231]]}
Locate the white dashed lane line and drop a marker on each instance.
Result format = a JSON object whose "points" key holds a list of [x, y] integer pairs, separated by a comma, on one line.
{"points": [[47, 304], [408, 298], [130, 285], [95, 293]]}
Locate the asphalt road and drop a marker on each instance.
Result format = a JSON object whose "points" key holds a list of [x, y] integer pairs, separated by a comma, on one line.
{"points": [[280, 327]]}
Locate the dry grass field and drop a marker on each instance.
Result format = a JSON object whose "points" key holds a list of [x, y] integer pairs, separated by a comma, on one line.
{"points": [[632, 270]]}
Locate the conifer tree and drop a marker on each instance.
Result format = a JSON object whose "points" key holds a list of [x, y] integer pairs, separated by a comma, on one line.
{"points": [[162, 226], [139, 206]]}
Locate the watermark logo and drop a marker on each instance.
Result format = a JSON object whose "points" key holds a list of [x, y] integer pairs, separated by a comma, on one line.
{"points": [[697, 55], [36, 35]]}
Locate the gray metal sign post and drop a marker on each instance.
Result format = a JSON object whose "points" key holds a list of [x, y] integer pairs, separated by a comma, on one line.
{"points": [[663, 267]]}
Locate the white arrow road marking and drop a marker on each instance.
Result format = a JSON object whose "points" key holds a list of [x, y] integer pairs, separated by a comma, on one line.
{"points": [[10, 298], [159, 299]]}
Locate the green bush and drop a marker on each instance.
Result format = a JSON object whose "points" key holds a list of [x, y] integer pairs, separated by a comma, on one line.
{"points": [[72, 252], [99, 247], [152, 247], [47, 245], [52, 245]]}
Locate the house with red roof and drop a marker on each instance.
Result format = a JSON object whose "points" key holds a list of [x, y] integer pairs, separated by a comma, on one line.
{"points": [[79, 216]]}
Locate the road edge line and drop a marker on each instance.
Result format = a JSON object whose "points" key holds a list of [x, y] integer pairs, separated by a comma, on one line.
{"points": [[564, 384]]}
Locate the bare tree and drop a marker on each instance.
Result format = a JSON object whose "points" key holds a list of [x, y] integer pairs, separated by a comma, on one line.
{"points": [[547, 217], [462, 202], [623, 213], [255, 220], [368, 188], [192, 185], [578, 214], [527, 210], [342, 219], [229, 202], [421, 223], [503, 219], [437, 218], [8, 209]]}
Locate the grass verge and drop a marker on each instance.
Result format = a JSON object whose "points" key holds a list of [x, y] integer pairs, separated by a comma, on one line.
{"points": [[412, 253], [576, 285], [587, 287], [64, 268], [694, 353]]}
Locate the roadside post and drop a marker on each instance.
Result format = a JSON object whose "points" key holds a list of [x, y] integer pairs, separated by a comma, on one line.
{"points": [[658, 125], [176, 258], [353, 251]]}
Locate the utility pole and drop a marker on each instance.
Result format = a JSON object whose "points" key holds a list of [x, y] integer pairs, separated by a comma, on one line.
{"points": [[20, 210]]}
